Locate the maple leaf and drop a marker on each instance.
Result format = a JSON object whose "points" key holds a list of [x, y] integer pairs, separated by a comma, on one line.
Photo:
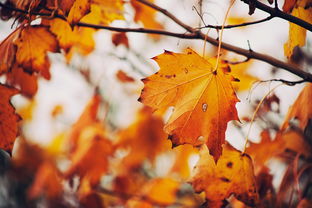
{"points": [[27, 83], [181, 165], [104, 12], [238, 71], [87, 118], [91, 142], [123, 77], [47, 181], [289, 5], [63, 32], [78, 10], [8, 118], [233, 174], [32, 47], [297, 34], [203, 99], [301, 109], [146, 15], [145, 137], [7, 51], [77, 40], [26, 4], [120, 39], [161, 191]]}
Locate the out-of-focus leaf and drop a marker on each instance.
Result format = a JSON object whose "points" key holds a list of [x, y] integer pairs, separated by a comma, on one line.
{"points": [[233, 174]]}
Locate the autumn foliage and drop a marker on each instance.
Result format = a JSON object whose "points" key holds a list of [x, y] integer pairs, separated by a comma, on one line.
{"points": [[180, 148]]}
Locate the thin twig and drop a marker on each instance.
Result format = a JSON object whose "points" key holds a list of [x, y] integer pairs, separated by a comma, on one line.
{"points": [[289, 83], [275, 12], [236, 25]]}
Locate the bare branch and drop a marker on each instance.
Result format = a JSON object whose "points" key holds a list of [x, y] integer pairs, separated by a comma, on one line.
{"points": [[287, 82], [237, 25]]}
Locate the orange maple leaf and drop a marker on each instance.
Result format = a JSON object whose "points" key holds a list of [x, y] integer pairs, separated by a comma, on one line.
{"points": [[8, 118], [78, 10], [27, 83], [146, 15], [32, 46], [7, 51], [203, 99], [145, 138], [233, 174]]}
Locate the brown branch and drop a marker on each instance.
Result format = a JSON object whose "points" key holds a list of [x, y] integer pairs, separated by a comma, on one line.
{"points": [[275, 12], [218, 27], [193, 34]]}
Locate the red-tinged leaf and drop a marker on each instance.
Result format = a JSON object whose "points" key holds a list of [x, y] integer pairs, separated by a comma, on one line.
{"points": [[289, 5], [123, 77], [203, 99], [32, 47], [7, 51], [27, 83], [8, 118], [47, 182], [27, 5], [90, 159], [120, 39]]}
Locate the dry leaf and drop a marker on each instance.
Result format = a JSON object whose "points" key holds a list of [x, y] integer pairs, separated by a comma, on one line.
{"points": [[120, 39], [32, 47], [47, 182], [8, 118], [123, 77], [27, 83], [145, 138], [301, 109], [87, 118], [162, 191], [203, 99], [146, 15], [79, 9], [233, 174], [297, 34], [7, 51]]}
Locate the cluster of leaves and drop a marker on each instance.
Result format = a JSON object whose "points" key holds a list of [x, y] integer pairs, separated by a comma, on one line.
{"points": [[94, 166]]}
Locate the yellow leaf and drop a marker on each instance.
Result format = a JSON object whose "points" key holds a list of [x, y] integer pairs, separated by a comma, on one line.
{"points": [[297, 34], [301, 109], [78, 10]]}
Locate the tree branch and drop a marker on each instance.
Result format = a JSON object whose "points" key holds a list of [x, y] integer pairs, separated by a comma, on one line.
{"points": [[218, 27], [275, 12], [193, 34]]}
